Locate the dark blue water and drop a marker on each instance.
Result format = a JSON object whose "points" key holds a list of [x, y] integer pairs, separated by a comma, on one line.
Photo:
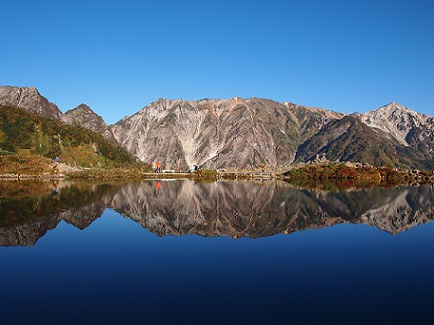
{"points": [[117, 272]]}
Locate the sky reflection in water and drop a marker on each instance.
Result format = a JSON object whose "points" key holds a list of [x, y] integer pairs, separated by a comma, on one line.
{"points": [[115, 271]]}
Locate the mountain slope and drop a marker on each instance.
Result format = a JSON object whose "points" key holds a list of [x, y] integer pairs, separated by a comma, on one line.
{"points": [[214, 133], [401, 122], [22, 131], [239, 133], [349, 139], [84, 116], [29, 99]]}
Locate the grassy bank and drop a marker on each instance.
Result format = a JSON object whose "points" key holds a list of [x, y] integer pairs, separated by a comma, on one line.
{"points": [[341, 175]]}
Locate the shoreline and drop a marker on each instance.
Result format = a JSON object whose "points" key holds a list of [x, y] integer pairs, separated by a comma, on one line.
{"points": [[306, 174]]}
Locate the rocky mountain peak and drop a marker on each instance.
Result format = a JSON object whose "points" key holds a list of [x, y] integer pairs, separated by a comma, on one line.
{"points": [[81, 114], [29, 99], [158, 108], [396, 110], [84, 116], [216, 133], [397, 120], [83, 108]]}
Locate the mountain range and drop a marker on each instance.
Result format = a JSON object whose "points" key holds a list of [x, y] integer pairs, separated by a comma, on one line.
{"points": [[239, 133]]}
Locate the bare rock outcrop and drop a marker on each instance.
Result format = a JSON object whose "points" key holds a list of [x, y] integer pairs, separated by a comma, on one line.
{"points": [[29, 99], [215, 133], [84, 116], [410, 128]]}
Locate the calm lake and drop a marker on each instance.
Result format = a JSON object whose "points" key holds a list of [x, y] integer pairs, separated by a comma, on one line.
{"points": [[179, 252]]}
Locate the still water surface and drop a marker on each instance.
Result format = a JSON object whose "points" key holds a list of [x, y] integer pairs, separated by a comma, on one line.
{"points": [[176, 252]]}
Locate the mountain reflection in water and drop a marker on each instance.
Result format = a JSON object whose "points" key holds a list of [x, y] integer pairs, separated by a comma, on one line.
{"points": [[236, 209]]}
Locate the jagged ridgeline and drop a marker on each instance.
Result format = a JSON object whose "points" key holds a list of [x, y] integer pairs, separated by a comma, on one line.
{"points": [[238, 133], [29, 133], [217, 133]]}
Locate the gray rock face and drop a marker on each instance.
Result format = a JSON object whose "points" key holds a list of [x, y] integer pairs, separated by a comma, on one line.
{"points": [[29, 99], [84, 116], [216, 133], [400, 122]]}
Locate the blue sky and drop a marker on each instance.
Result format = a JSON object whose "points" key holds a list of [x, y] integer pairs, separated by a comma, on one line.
{"points": [[119, 56]]}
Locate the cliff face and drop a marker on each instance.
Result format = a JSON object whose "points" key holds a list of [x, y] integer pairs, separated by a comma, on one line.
{"points": [[28, 99], [219, 133], [414, 131], [239, 133], [402, 123]]}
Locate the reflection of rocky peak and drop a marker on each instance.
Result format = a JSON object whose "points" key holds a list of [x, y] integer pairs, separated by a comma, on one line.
{"points": [[26, 234], [239, 209], [84, 216], [84, 116], [29, 99], [187, 208], [235, 209], [403, 212]]}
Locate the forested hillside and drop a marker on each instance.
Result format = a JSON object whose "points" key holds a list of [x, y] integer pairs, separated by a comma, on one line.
{"points": [[28, 134]]}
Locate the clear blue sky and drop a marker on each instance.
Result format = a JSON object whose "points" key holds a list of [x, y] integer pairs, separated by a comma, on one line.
{"points": [[118, 56]]}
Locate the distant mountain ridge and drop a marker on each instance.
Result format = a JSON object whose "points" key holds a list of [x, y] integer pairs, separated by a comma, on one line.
{"points": [[238, 133], [216, 133]]}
